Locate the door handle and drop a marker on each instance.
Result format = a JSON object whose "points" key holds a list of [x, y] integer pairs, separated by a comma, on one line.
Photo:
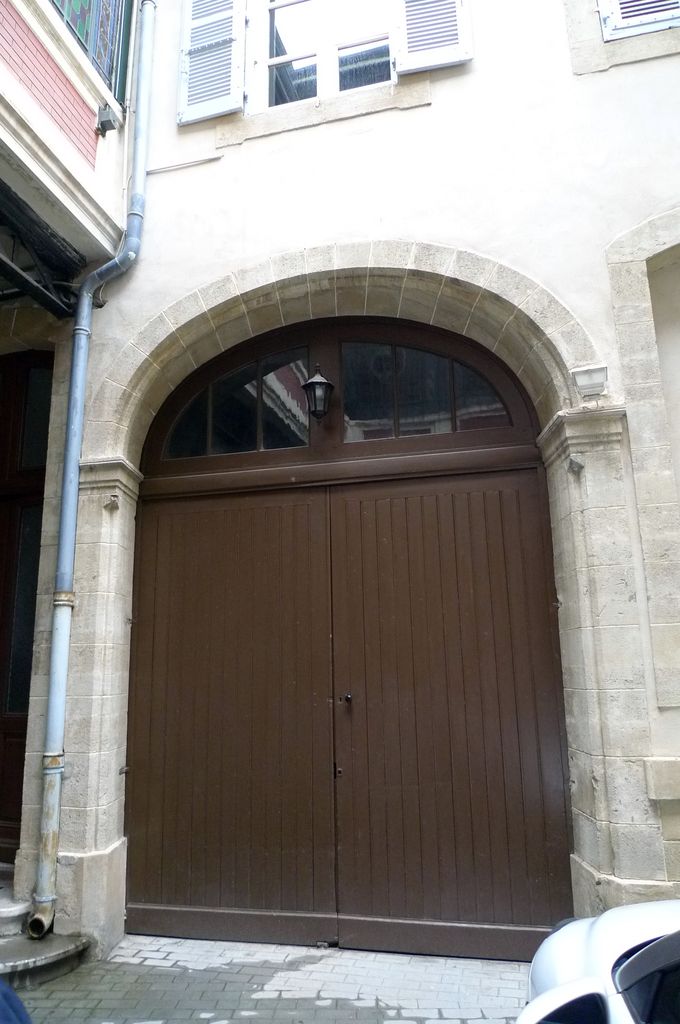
{"points": [[347, 698]]}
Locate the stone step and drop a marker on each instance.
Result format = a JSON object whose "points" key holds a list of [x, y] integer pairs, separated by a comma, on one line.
{"points": [[12, 916], [12, 912], [26, 962]]}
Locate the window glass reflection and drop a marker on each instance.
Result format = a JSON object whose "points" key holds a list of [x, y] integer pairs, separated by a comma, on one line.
{"points": [[233, 426], [189, 436], [424, 393], [292, 81], [478, 404], [368, 391], [285, 421], [364, 65], [294, 33]]}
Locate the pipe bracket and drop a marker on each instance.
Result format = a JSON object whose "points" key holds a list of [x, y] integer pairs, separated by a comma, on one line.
{"points": [[64, 598], [53, 764]]}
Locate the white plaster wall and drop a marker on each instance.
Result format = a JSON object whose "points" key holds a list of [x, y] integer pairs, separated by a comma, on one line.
{"points": [[515, 157]]}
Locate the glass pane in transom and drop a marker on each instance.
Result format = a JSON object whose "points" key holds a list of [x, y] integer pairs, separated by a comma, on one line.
{"points": [[424, 392], [233, 424], [189, 436], [368, 391], [285, 421], [478, 404], [366, 64]]}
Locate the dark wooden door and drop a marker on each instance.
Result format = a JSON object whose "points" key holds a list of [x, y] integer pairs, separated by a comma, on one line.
{"points": [[25, 389], [230, 812], [440, 734], [451, 814]]}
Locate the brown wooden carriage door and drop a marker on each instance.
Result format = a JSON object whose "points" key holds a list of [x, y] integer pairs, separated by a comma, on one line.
{"points": [[230, 812], [450, 788]]}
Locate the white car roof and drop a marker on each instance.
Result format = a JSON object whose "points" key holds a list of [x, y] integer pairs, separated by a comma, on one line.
{"points": [[591, 946]]}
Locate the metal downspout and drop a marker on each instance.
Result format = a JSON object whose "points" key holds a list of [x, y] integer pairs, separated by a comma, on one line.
{"points": [[41, 915]]}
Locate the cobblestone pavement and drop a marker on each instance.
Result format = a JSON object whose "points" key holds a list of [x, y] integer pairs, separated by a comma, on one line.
{"points": [[150, 980]]}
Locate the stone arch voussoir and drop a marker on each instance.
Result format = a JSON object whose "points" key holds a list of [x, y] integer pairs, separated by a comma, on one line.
{"points": [[506, 312]]}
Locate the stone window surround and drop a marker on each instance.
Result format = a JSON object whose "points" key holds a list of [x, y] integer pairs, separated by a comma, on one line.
{"points": [[590, 53], [541, 341], [409, 92]]}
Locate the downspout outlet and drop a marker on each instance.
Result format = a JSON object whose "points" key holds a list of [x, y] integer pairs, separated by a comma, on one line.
{"points": [[41, 920], [41, 916]]}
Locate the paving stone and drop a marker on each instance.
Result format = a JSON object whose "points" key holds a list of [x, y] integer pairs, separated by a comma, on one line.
{"points": [[173, 981]]}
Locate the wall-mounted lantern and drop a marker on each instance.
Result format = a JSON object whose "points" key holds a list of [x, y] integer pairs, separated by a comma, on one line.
{"points": [[318, 391], [590, 381]]}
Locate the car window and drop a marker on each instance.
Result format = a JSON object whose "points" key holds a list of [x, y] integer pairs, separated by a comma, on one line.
{"points": [[588, 1008], [666, 1009], [649, 979]]}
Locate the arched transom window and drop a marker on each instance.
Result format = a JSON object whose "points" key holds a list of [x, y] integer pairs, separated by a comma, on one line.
{"points": [[398, 388]]}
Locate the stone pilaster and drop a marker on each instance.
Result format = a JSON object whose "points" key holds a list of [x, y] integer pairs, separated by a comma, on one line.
{"points": [[91, 859], [607, 660]]}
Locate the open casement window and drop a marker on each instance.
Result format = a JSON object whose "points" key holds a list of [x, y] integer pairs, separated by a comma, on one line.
{"points": [[211, 64], [431, 34], [314, 49], [622, 18]]}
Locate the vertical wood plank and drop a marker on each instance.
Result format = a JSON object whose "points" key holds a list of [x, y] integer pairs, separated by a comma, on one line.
{"points": [[424, 684], [395, 872], [474, 712]]}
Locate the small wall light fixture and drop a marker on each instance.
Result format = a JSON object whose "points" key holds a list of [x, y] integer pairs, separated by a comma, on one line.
{"points": [[590, 381], [318, 391]]}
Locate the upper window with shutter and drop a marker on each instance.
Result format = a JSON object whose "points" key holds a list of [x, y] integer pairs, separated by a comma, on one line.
{"points": [[292, 50], [211, 68], [622, 18]]}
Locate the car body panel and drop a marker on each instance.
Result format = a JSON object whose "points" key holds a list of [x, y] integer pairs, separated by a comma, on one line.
{"points": [[591, 946], [577, 962]]}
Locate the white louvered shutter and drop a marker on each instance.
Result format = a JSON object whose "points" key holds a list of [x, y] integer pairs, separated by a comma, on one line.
{"points": [[211, 62], [633, 17], [432, 34]]}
